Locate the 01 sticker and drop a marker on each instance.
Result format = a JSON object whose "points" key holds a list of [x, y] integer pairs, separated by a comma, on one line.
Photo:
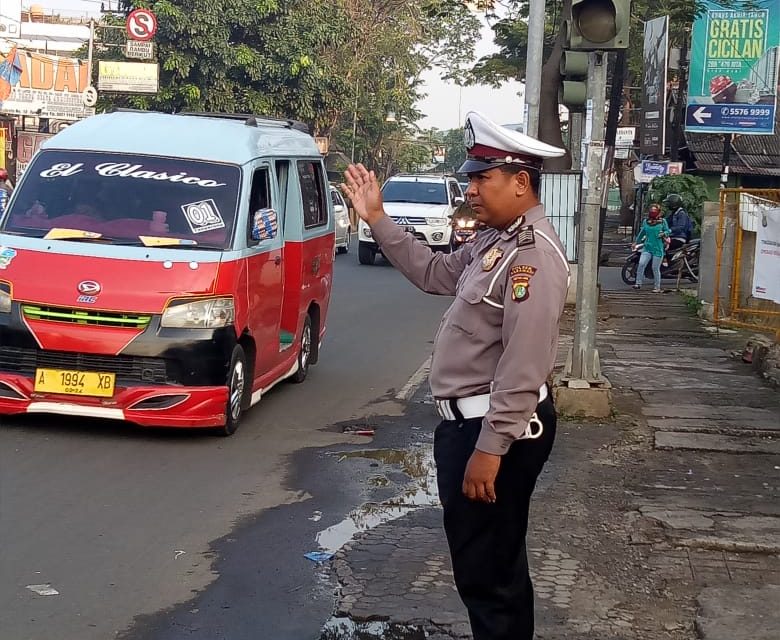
{"points": [[203, 216]]}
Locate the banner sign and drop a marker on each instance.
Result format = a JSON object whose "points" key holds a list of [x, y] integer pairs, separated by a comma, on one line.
{"points": [[49, 87], [766, 271], [27, 143], [733, 81], [128, 77], [656, 49]]}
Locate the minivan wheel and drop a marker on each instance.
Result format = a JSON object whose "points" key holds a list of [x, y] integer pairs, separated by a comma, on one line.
{"points": [[304, 351], [366, 253], [237, 382]]}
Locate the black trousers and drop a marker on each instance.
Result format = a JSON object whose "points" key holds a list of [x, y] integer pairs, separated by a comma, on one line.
{"points": [[487, 541]]}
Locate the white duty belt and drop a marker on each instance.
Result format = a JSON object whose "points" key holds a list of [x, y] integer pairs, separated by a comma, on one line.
{"points": [[478, 406]]}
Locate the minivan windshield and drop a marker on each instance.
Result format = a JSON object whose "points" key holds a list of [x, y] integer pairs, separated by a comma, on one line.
{"points": [[414, 191], [126, 199]]}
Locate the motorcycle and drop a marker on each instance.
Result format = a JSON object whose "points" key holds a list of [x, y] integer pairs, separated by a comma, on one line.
{"points": [[680, 262], [463, 230]]}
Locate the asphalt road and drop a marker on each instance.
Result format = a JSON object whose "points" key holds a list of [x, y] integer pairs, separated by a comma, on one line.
{"points": [[131, 527]]}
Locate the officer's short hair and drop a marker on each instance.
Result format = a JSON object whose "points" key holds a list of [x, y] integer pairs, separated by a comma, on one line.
{"points": [[534, 175]]}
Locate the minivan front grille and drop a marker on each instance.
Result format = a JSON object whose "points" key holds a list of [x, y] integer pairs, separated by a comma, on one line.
{"points": [[86, 316], [128, 369]]}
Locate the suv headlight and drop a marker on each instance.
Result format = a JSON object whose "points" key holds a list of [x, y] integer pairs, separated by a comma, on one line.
{"points": [[5, 297], [199, 314], [436, 222]]}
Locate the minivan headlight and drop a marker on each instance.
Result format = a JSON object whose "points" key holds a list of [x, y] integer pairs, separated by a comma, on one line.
{"points": [[210, 313], [436, 222]]}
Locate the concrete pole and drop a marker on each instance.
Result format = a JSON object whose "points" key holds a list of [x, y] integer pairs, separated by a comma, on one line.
{"points": [[533, 66], [584, 358], [576, 124], [90, 50]]}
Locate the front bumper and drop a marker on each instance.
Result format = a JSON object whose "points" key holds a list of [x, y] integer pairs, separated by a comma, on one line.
{"points": [[151, 406], [434, 237], [164, 377]]}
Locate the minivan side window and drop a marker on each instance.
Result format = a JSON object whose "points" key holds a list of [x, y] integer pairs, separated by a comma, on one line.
{"points": [[315, 210], [259, 198]]}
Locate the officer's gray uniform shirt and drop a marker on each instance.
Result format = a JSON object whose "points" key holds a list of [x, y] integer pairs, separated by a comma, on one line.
{"points": [[500, 335]]}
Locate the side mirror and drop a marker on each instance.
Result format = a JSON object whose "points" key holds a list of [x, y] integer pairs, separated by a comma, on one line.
{"points": [[265, 225], [458, 201], [338, 208]]}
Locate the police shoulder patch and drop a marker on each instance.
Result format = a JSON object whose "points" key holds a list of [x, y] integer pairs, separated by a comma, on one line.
{"points": [[520, 280]]}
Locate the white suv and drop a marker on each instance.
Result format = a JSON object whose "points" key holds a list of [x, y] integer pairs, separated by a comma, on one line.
{"points": [[423, 205]]}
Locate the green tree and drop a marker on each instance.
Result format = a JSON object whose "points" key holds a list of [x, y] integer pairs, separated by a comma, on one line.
{"points": [[692, 189]]}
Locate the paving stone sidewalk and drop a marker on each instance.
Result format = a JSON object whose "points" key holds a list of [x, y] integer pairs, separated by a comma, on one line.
{"points": [[661, 523]]}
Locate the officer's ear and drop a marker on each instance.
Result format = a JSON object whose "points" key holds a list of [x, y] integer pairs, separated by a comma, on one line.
{"points": [[522, 183]]}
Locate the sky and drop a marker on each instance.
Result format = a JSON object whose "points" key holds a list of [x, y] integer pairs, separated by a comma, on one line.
{"points": [[446, 104]]}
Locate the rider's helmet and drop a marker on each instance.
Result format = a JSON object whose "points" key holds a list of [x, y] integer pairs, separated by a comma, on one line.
{"points": [[673, 201]]}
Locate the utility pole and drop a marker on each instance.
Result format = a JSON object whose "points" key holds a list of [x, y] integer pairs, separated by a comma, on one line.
{"points": [[90, 50], [533, 66], [583, 362]]}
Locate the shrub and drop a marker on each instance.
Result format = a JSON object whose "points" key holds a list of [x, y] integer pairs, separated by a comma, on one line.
{"points": [[692, 190]]}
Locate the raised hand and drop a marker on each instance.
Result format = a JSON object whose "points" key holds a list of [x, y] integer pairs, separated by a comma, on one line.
{"points": [[362, 189]]}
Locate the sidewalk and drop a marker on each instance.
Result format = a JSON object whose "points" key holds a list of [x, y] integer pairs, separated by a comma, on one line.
{"points": [[662, 523]]}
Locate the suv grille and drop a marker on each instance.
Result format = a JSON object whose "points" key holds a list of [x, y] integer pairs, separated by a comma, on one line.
{"points": [[409, 220], [128, 369], [86, 316]]}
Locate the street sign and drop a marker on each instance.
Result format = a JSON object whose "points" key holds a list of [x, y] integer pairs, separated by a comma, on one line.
{"points": [[141, 24], [734, 69], [128, 77], [89, 97], [624, 141], [655, 53], [139, 49]]}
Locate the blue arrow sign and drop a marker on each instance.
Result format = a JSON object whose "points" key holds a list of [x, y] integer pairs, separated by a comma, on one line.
{"points": [[730, 118]]}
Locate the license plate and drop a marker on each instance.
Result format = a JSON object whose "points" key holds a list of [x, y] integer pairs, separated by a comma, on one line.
{"points": [[76, 383]]}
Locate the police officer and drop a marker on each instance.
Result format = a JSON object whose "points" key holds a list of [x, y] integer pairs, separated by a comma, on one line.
{"points": [[492, 356]]}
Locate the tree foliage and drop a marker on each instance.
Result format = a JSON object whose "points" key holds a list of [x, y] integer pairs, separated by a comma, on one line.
{"points": [[692, 189], [337, 65]]}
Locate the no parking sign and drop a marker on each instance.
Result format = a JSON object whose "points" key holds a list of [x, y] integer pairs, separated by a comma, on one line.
{"points": [[141, 25]]}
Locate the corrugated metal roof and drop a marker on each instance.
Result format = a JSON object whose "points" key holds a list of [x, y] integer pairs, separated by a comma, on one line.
{"points": [[757, 155]]}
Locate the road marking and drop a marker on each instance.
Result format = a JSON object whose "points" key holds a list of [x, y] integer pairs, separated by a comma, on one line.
{"points": [[43, 589], [407, 391]]}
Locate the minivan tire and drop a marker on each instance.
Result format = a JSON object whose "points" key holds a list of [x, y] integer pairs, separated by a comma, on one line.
{"points": [[237, 389], [366, 253], [305, 345]]}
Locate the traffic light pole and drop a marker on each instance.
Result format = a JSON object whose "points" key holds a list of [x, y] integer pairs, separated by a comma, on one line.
{"points": [[583, 362]]}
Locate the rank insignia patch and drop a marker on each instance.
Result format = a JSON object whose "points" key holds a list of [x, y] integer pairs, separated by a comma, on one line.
{"points": [[520, 277], [491, 258], [526, 237]]}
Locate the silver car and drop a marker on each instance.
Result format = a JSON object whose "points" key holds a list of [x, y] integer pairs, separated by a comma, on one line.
{"points": [[343, 223]]}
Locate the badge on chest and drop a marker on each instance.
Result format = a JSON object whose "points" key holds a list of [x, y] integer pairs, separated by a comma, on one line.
{"points": [[491, 258]]}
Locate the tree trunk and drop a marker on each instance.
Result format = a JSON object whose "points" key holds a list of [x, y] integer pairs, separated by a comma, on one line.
{"points": [[549, 117]]}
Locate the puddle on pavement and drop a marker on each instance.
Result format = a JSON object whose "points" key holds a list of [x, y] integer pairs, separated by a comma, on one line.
{"points": [[420, 492], [347, 629]]}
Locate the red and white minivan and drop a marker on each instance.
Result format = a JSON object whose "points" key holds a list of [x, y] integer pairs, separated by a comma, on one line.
{"points": [[164, 269]]}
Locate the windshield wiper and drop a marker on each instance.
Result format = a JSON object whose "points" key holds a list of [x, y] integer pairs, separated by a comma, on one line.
{"points": [[60, 233]]}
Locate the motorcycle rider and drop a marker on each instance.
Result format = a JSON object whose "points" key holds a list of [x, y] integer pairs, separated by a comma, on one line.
{"points": [[654, 233], [679, 221]]}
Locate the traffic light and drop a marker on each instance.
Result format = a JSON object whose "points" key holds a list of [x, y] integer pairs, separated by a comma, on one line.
{"points": [[598, 25], [574, 88]]}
